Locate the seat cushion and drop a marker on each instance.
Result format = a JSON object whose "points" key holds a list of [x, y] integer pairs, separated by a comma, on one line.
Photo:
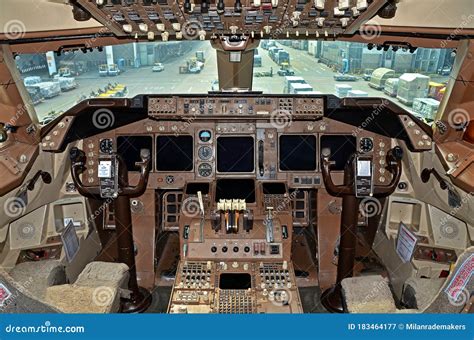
{"points": [[368, 294], [37, 276], [418, 292], [97, 274], [96, 290], [83, 299], [15, 298]]}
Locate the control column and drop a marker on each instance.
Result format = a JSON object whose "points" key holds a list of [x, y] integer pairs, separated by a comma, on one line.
{"points": [[358, 183], [113, 177]]}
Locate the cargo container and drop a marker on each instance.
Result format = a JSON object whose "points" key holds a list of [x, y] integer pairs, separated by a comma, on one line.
{"points": [[391, 87], [380, 76], [357, 93], [48, 89], [342, 90], [426, 108], [411, 86], [297, 88], [291, 80]]}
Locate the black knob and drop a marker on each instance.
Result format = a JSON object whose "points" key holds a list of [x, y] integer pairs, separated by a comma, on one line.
{"points": [[224, 249], [76, 154], [237, 6], [187, 6], [397, 153], [236, 249], [402, 186], [220, 6], [204, 7], [388, 12], [246, 249], [213, 249]]}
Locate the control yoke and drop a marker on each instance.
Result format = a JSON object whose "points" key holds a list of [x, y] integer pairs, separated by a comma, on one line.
{"points": [[78, 159], [393, 159], [113, 185]]}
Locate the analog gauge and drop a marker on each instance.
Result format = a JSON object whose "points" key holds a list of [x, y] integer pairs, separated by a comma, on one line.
{"points": [[366, 145], [205, 170], [205, 136], [106, 146], [204, 153]]}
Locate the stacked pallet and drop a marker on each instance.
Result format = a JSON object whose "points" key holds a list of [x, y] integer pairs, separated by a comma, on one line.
{"points": [[411, 86], [342, 90]]}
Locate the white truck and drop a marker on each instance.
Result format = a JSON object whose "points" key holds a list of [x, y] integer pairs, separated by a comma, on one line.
{"points": [[66, 83]]}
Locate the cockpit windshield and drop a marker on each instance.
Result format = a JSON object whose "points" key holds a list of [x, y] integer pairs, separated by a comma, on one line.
{"points": [[415, 79]]}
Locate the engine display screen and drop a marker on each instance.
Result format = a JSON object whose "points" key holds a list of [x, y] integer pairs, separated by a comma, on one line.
{"points": [[235, 154], [342, 147], [129, 148], [174, 153], [297, 153], [235, 281]]}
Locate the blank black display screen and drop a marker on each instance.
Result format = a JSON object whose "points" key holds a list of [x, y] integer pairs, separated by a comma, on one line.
{"points": [[235, 281], [174, 153], [129, 148], [235, 188], [235, 154], [342, 148], [297, 152]]}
